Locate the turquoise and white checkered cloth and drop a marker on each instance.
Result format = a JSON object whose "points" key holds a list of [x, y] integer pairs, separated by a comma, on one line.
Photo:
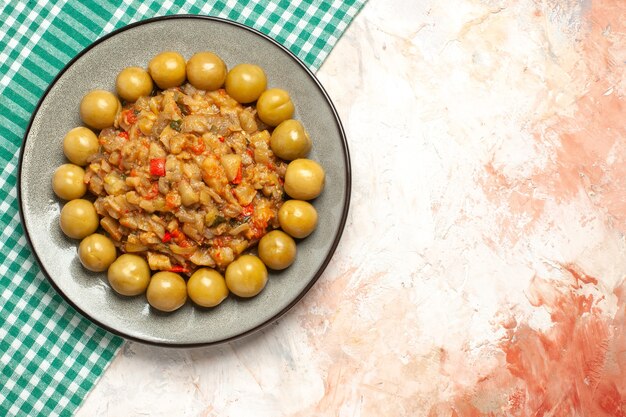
{"points": [[50, 356]]}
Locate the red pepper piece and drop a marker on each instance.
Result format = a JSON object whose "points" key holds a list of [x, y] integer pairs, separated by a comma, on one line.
{"points": [[171, 201], [221, 241], [180, 238], [237, 179], [178, 268], [247, 210], [157, 167], [199, 148], [166, 237], [123, 134], [130, 117], [221, 138]]}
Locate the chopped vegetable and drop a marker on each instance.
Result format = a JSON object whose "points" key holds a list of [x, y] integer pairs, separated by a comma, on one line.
{"points": [[247, 210], [237, 179], [184, 243], [154, 191], [180, 238], [130, 116], [172, 200], [199, 147], [183, 108], [170, 186], [218, 220], [175, 124], [157, 167]]}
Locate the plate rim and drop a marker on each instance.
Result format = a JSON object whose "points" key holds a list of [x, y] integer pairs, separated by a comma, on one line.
{"points": [[318, 273]]}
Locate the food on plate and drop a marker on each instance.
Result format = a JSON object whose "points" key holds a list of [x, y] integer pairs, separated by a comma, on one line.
{"points": [[129, 275], [207, 288], [274, 106], [98, 109], [68, 182], [246, 276], [96, 252], [132, 83], [186, 178], [246, 82], [168, 69], [206, 71], [167, 291], [297, 218], [304, 179], [196, 189], [79, 145], [290, 141], [78, 219], [277, 250]]}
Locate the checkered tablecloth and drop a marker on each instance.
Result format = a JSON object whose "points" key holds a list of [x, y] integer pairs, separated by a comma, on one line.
{"points": [[50, 356]]}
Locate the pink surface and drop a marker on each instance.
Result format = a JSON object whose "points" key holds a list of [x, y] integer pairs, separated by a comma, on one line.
{"points": [[482, 270]]}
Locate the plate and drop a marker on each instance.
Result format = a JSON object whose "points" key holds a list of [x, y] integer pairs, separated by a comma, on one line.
{"points": [[57, 113]]}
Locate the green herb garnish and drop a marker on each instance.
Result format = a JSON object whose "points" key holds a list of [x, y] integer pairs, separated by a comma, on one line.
{"points": [[175, 124], [218, 220]]}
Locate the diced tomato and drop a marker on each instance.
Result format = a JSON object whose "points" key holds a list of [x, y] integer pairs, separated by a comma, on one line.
{"points": [[157, 167], [259, 223], [257, 230], [237, 179], [123, 134], [199, 147], [153, 192], [166, 237], [221, 241], [180, 238], [247, 210], [129, 116], [171, 201]]}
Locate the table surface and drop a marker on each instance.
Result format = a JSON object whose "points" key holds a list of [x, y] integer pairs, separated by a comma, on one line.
{"points": [[482, 258]]}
